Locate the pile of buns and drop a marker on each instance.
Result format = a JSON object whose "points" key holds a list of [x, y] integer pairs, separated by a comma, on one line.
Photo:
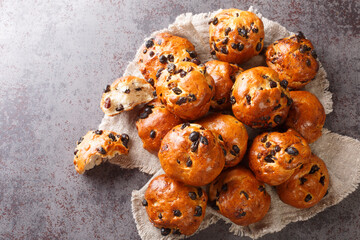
{"points": [[194, 119]]}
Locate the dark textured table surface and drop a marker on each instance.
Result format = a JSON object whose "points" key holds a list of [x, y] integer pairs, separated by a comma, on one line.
{"points": [[55, 59]]}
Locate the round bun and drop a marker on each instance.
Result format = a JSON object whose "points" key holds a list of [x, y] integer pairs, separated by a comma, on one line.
{"points": [[307, 186], [97, 147], [237, 195], [174, 207], [186, 90], [233, 134], [294, 59], [275, 156], [154, 122], [191, 154], [158, 52], [259, 99], [224, 75], [306, 115], [236, 35]]}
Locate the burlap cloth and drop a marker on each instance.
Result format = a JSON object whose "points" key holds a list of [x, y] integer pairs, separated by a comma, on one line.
{"points": [[340, 153]]}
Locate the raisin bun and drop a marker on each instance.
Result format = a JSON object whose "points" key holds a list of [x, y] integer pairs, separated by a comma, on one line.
{"points": [[97, 147], [237, 195], [259, 99], [236, 35], [306, 115], [186, 90], [162, 50], [191, 154], [154, 122], [224, 75], [124, 94], [275, 156], [307, 186], [173, 206], [294, 59], [233, 134]]}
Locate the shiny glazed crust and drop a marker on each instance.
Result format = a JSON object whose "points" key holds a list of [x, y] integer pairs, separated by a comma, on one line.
{"points": [[154, 122], [275, 156], [173, 206], [186, 90], [158, 52], [236, 35], [306, 115], [237, 195], [98, 146], [294, 59], [307, 186], [233, 134], [124, 94], [191, 154], [224, 75], [259, 99]]}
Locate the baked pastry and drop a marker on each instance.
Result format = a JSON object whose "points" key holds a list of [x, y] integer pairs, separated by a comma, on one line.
{"points": [[186, 90], [237, 195], [191, 154], [124, 94], [224, 75], [158, 52], [307, 186], [294, 59], [233, 134], [306, 115], [98, 146], [236, 35], [275, 156], [259, 99], [154, 122], [173, 206]]}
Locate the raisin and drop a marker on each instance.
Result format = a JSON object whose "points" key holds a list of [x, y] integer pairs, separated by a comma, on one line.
{"points": [[198, 211], [144, 203], [292, 151]]}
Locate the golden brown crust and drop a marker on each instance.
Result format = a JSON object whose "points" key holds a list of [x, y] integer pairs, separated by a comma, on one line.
{"points": [[236, 35], [306, 115], [98, 146], [259, 99], [191, 154], [275, 156], [163, 49], [233, 134], [124, 94], [294, 59], [224, 75], [307, 186], [186, 90], [154, 122], [173, 206], [237, 195]]}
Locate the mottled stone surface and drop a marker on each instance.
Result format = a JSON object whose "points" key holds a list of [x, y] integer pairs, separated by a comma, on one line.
{"points": [[56, 58]]}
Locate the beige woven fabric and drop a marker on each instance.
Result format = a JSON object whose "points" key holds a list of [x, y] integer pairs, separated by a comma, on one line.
{"points": [[340, 153]]}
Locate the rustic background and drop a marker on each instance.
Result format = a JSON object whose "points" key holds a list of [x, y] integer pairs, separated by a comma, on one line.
{"points": [[55, 59]]}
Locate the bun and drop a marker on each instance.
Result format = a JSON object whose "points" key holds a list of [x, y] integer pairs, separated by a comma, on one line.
{"points": [[233, 134], [236, 35], [259, 99], [306, 115], [275, 156], [98, 146], [191, 154], [237, 195], [307, 186], [294, 59], [173, 206], [186, 90], [154, 122], [124, 94]]}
